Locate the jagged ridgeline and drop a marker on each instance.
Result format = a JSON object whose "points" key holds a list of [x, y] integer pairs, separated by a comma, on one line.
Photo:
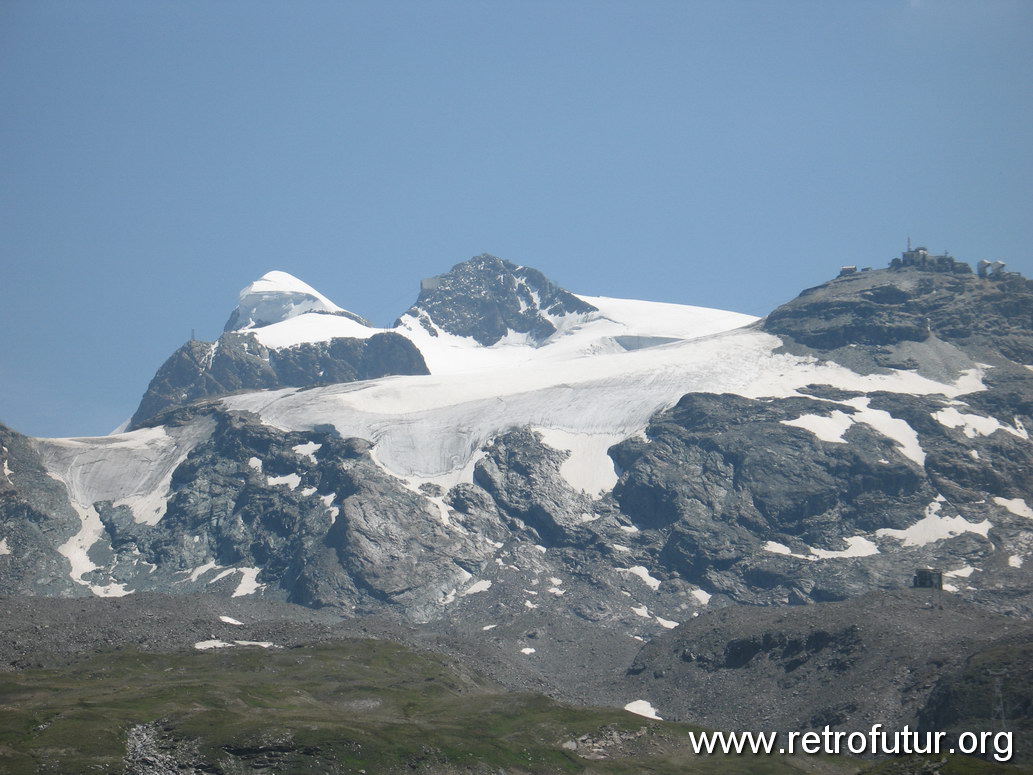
{"points": [[514, 458]]}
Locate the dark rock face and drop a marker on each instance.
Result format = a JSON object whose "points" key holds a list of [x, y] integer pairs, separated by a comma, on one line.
{"points": [[886, 307], [487, 297], [238, 361], [520, 475], [721, 476], [321, 529], [36, 517]]}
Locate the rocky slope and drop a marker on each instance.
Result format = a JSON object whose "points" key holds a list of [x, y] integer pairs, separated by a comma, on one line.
{"points": [[880, 658]]}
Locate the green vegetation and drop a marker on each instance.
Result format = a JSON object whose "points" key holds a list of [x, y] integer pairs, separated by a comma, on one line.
{"points": [[346, 707]]}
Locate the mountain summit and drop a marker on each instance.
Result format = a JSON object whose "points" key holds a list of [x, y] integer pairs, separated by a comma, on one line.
{"points": [[278, 296], [283, 333], [487, 298]]}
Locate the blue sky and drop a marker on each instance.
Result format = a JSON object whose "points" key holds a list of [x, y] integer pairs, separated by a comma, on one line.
{"points": [[155, 157]]}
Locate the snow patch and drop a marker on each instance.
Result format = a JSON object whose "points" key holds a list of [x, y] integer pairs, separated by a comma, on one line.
{"points": [[76, 551], [890, 427], [199, 571], [310, 328], [478, 586], [1015, 561], [248, 582], [110, 590], [308, 449], [642, 708], [973, 425], [1016, 506], [230, 620], [857, 546], [962, 573], [830, 429], [4, 548], [255, 464], [933, 527], [489, 627], [204, 645], [291, 480], [587, 468], [666, 623], [702, 596], [331, 509], [527, 650], [642, 573], [641, 611]]}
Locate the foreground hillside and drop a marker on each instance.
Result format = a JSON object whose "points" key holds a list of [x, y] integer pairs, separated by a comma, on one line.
{"points": [[344, 706], [900, 658], [338, 707], [347, 706]]}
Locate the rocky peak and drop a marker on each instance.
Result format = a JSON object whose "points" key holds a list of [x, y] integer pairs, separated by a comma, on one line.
{"points": [[487, 297], [239, 360], [991, 312], [278, 296]]}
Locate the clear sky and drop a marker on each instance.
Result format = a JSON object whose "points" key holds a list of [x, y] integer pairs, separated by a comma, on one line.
{"points": [[155, 157]]}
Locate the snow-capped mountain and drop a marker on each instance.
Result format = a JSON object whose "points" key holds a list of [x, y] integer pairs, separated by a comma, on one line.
{"points": [[277, 296], [532, 470], [488, 299], [511, 449], [283, 333]]}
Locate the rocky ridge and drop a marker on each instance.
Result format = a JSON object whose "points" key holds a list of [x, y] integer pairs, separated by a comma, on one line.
{"points": [[488, 298], [237, 361]]}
